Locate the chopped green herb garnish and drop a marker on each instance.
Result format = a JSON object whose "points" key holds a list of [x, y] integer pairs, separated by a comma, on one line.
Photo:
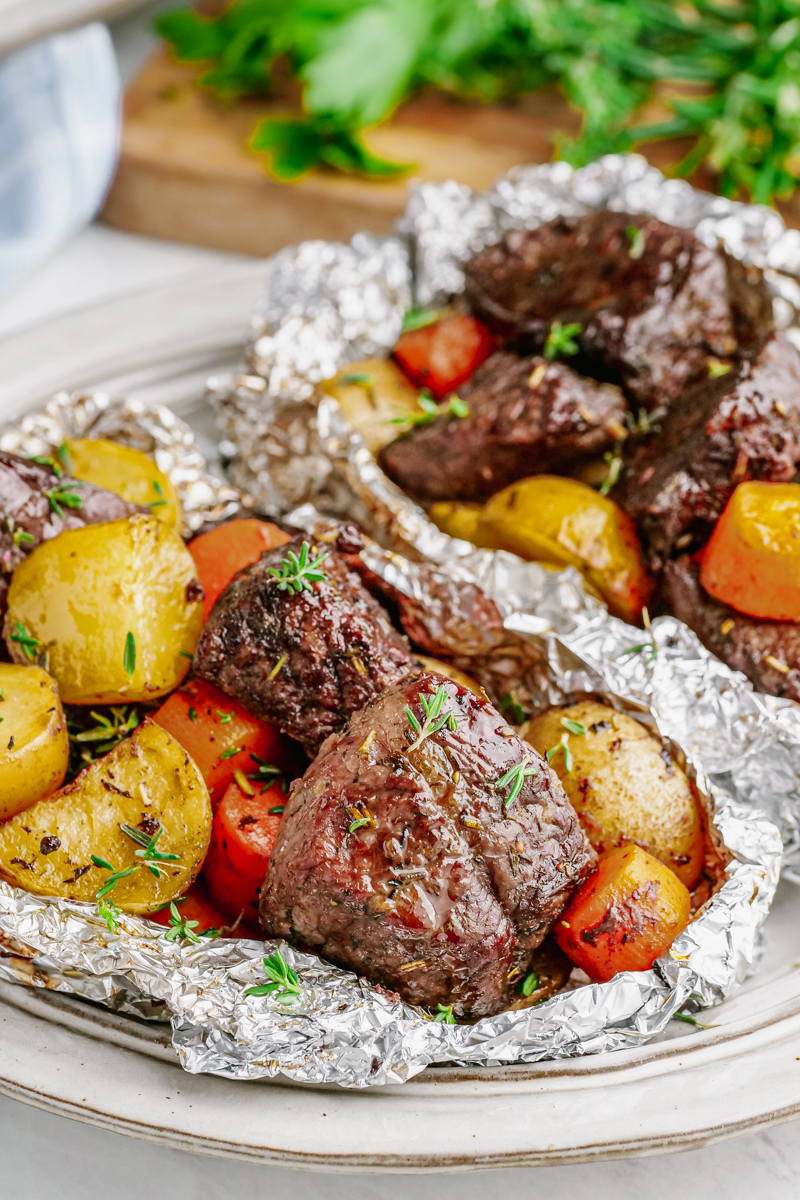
{"points": [[268, 774], [457, 407], [576, 727], [358, 377], [614, 462], [561, 340], [529, 984], [63, 454], [110, 914], [22, 538], [65, 495], [224, 718], [192, 713], [186, 654], [430, 409], [45, 461], [637, 241], [435, 717], [297, 573], [418, 318], [284, 984], [650, 646], [276, 810], [157, 488], [359, 823], [515, 778], [180, 928], [148, 852], [29, 645], [644, 423], [690, 1020], [231, 752], [129, 655], [717, 368], [87, 742], [444, 1014], [562, 745], [511, 704]]}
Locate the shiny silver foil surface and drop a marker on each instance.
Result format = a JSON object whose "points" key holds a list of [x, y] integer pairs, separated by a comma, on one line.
{"points": [[154, 430], [293, 455]]}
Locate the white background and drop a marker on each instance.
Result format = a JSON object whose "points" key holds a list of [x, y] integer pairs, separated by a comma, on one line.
{"points": [[44, 1155]]}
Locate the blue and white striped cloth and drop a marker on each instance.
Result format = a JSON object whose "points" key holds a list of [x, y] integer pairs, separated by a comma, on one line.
{"points": [[59, 132]]}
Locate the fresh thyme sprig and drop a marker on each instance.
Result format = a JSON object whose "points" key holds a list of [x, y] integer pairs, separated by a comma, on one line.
{"points": [[150, 856], [29, 644], [157, 488], [576, 727], [267, 774], [561, 340], [297, 573], [181, 929], [284, 984], [511, 704], [87, 744], [22, 538], [129, 655], [529, 984], [454, 406], [651, 646], [637, 241], [435, 717], [613, 459], [444, 1014], [63, 494], [515, 778], [562, 745], [44, 460]]}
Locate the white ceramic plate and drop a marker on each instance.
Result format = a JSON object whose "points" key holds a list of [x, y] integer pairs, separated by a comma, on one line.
{"points": [[685, 1089]]}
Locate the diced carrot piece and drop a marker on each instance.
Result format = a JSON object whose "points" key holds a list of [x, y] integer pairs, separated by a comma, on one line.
{"points": [[222, 737], [223, 552], [752, 561], [243, 837], [442, 356], [625, 916], [198, 905]]}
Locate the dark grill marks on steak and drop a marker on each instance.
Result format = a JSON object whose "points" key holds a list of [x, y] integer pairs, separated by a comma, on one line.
{"points": [[745, 425], [24, 506], [526, 415], [743, 643], [306, 660], [649, 321], [405, 866]]}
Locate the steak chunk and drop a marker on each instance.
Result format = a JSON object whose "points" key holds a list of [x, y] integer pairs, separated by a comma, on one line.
{"points": [[653, 302], [767, 652], [306, 659], [26, 510], [401, 860], [526, 415], [745, 425]]}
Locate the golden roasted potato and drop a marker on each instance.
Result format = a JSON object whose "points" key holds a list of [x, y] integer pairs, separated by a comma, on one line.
{"points": [[564, 522], [149, 783], [622, 786], [372, 395], [128, 473], [460, 520], [116, 608], [34, 747], [451, 672]]}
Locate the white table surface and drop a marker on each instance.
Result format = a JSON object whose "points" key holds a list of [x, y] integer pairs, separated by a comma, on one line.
{"points": [[42, 1154]]}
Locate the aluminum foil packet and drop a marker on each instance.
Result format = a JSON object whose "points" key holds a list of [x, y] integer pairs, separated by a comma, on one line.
{"points": [[293, 455]]}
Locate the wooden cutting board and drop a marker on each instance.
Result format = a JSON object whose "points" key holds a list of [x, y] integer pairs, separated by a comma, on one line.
{"points": [[185, 172]]}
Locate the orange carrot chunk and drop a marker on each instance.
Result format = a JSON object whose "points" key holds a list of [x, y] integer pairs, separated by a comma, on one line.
{"points": [[442, 356], [626, 915], [222, 737], [223, 552], [752, 561], [243, 837]]}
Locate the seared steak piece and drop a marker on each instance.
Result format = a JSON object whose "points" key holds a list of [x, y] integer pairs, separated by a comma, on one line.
{"points": [[25, 510], [653, 302], [306, 659], [526, 415], [745, 425], [400, 859], [767, 652]]}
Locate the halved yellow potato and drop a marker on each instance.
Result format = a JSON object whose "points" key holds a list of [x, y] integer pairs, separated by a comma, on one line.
{"points": [[149, 783], [461, 520], [128, 473], [116, 609], [34, 747], [372, 395]]}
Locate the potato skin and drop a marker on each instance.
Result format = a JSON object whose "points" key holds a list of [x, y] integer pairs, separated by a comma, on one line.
{"points": [[128, 473], [34, 747], [622, 787], [81, 593], [373, 405], [47, 849]]}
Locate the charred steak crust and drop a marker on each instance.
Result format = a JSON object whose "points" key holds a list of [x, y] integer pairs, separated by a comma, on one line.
{"points": [[24, 506], [745, 425], [743, 643], [304, 660], [526, 415], [405, 867], [653, 306]]}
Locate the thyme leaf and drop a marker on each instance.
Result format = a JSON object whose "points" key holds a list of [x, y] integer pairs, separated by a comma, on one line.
{"points": [[284, 984], [63, 494], [296, 573], [515, 778], [28, 644], [444, 1014], [129, 655], [435, 717], [562, 745], [561, 340], [180, 929], [22, 538]]}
